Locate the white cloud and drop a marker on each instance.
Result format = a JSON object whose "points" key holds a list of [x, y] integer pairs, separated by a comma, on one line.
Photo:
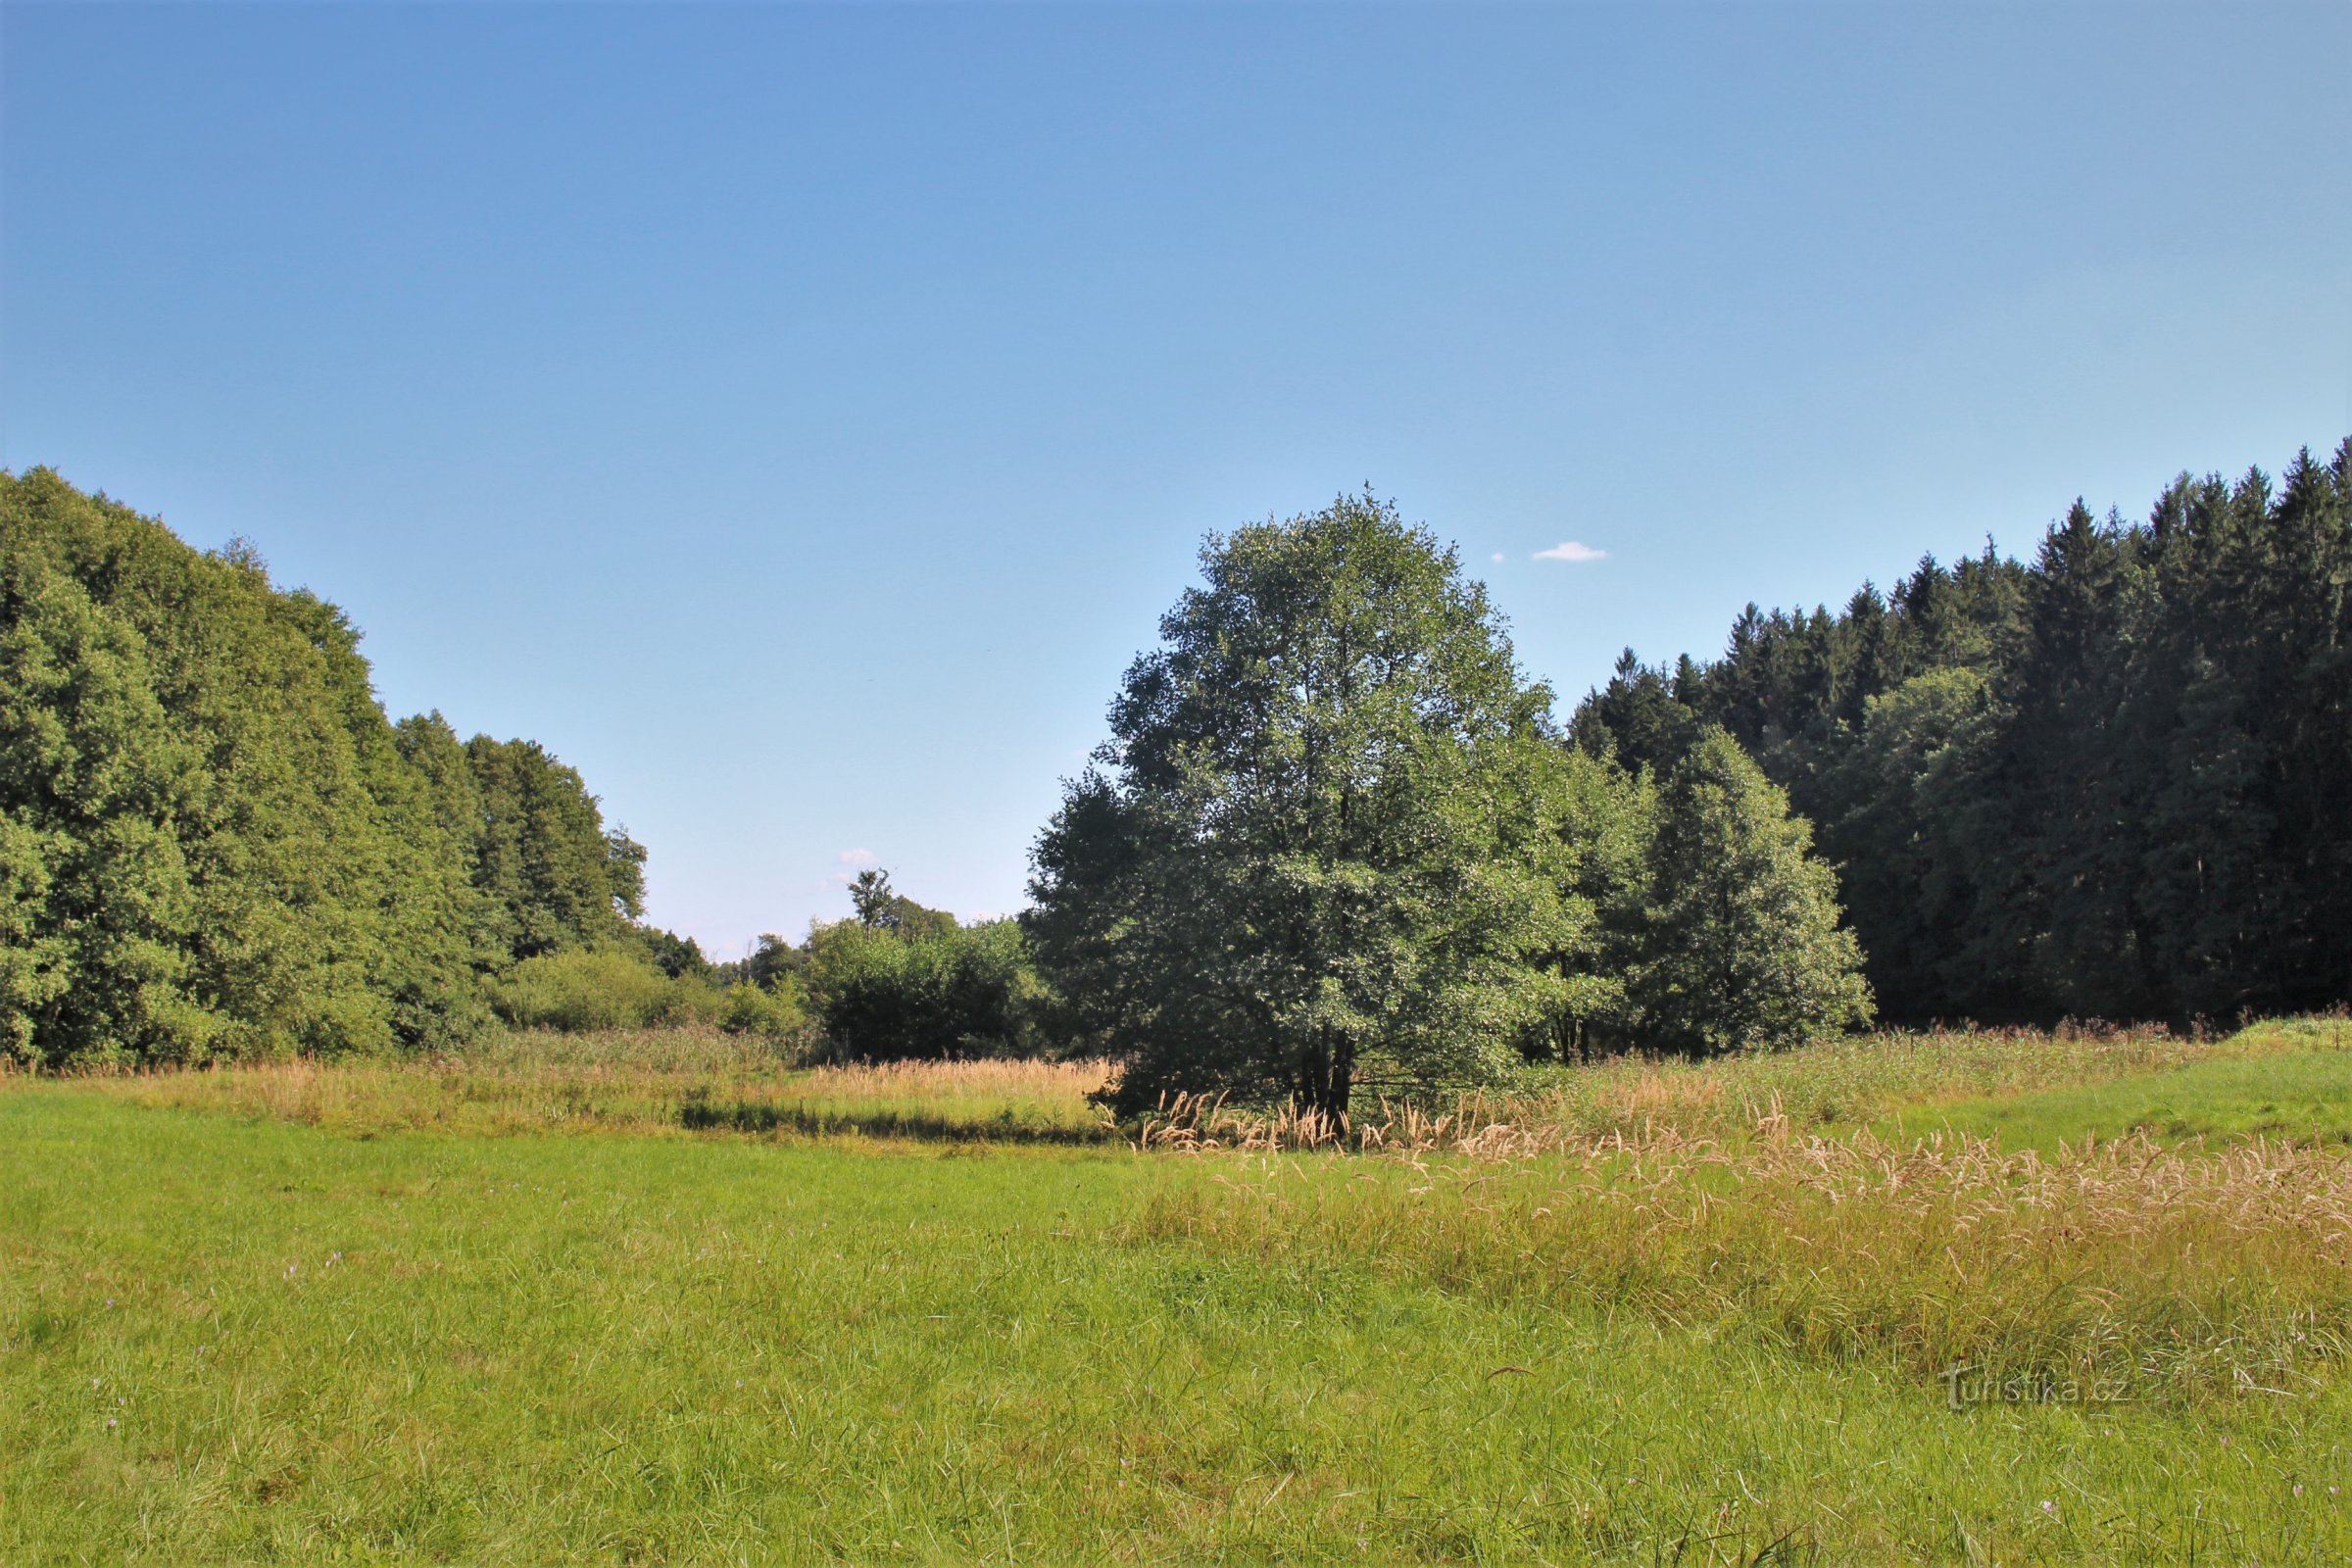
{"points": [[857, 858], [1570, 549], [1498, 554]]}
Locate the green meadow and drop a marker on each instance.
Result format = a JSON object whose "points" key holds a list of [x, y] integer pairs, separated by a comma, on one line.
{"points": [[2304, 1096], [539, 1308]]}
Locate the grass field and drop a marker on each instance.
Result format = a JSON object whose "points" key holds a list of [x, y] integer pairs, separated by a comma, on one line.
{"points": [[541, 1307], [662, 1080], [2305, 1095]]}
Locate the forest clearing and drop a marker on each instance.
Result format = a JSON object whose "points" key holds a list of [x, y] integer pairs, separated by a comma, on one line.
{"points": [[1141, 783]]}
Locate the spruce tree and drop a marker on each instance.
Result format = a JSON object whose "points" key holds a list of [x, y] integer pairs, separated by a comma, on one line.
{"points": [[1741, 946]]}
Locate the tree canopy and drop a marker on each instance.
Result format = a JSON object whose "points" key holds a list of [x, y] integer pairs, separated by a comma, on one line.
{"points": [[213, 841], [1333, 839], [2115, 781], [1742, 945], [1335, 843]]}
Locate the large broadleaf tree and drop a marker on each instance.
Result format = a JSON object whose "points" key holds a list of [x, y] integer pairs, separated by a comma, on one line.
{"points": [[1319, 854]]}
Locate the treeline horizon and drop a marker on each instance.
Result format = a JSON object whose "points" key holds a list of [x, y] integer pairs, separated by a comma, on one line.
{"points": [[2112, 783], [2115, 782]]}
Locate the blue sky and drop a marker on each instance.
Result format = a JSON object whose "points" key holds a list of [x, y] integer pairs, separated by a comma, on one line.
{"points": [[797, 417]]}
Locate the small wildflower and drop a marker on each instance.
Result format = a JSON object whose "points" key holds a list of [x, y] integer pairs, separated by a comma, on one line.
{"points": [[2047, 1506], [110, 1423], [2298, 1489]]}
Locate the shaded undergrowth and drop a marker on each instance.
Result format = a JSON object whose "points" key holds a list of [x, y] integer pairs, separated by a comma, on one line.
{"points": [[821, 1117]]}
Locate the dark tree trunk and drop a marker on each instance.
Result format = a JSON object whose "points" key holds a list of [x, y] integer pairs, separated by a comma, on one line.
{"points": [[1326, 1074]]}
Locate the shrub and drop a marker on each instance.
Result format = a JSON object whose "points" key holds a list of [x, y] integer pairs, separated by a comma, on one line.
{"points": [[594, 989], [965, 991], [771, 1014]]}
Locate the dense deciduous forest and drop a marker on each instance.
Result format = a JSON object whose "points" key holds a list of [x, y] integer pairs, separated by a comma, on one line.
{"points": [[1337, 838], [2116, 782], [213, 841]]}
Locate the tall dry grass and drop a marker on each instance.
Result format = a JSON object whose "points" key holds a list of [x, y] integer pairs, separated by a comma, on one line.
{"points": [[703, 1078], [1835, 1082], [1038, 1102], [2122, 1271], [1750, 1195], [638, 1081]]}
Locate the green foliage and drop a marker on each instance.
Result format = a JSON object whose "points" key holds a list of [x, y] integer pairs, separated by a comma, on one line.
{"points": [[1742, 946], [1918, 800], [2116, 782], [1597, 825], [779, 1013], [880, 908], [212, 844], [596, 990], [94, 892], [772, 963], [1315, 853], [555, 878], [211, 841], [678, 956], [587, 989], [922, 986]]}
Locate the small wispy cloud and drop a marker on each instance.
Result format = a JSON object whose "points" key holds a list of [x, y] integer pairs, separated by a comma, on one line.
{"points": [[851, 862], [1498, 554], [1570, 549]]}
